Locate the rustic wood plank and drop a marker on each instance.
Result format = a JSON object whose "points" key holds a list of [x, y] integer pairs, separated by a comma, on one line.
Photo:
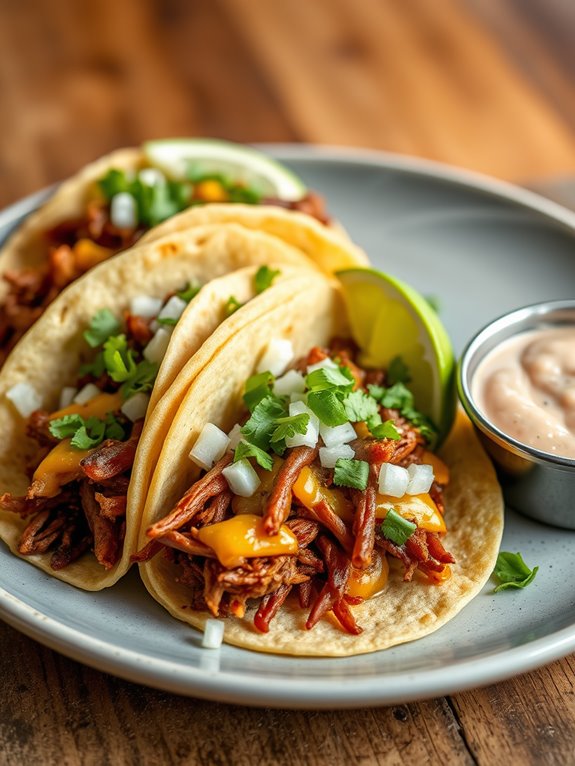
{"points": [[410, 77], [527, 720], [55, 711]]}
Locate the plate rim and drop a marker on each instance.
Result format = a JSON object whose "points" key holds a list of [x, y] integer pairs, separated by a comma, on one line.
{"points": [[286, 692]]}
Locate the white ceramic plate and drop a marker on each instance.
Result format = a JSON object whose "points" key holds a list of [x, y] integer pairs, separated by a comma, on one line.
{"points": [[482, 248]]}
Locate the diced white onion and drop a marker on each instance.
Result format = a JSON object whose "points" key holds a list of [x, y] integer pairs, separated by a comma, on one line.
{"points": [[213, 634], [151, 176], [241, 478], [25, 398], [420, 479], [235, 436], [334, 435], [145, 306], [210, 446], [298, 397], [277, 356], [89, 391], [123, 213], [173, 309], [328, 456], [293, 382], [309, 439], [393, 480], [136, 406], [327, 362], [67, 395], [157, 347]]}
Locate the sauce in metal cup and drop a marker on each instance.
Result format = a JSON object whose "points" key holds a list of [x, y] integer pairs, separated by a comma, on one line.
{"points": [[537, 482]]}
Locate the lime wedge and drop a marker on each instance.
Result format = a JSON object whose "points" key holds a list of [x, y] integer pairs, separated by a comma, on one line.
{"points": [[390, 319], [180, 157]]}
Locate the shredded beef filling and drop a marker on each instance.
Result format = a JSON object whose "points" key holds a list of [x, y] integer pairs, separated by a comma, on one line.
{"points": [[329, 547]]}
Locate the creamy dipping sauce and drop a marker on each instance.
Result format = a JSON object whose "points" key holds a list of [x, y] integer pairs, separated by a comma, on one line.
{"points": [[526, 388]]}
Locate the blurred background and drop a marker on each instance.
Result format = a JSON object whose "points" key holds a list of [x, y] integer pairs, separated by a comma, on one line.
{"points": [[484, 84]]}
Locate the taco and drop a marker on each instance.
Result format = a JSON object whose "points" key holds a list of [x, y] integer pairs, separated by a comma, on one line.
{"points": [[108, 206], [75, 391], [303, 502]]}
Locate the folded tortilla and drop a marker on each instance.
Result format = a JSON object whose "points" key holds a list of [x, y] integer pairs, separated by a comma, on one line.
{"points": [[405, 610], [222, 258]]}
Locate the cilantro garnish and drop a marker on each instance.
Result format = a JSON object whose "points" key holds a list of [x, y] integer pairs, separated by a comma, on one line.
{"points": [[118, 358], [102, 325], [232, 305], [326, 378], [398, 397], [381, 430], [396, 528], [257, 387], [264, 278], [168, 321], [86, 434], [260, 427], [512, 571], [360, 406], [189, 292], [245, 450], [155, 203], [351, 473], [235, 192], [288, 426], [141, 379], [328, 407]]}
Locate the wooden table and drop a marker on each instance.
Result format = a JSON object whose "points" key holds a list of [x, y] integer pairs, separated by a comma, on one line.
{"points": [[484, 84]]}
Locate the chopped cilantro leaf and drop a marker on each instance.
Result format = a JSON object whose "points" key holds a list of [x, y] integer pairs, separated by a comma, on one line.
{"points": [[257, 387], [232, 305], [381, 430], [261, 425], [102, 325], [512, 571], [86, 434], [141, 379], [360, 406], [118, 358], [326, 378], [170, 321], [398, 371], [244, 450], [327, 405], [66, 426], [351, 473], [114, 182], [376, 391], [289, 426], [264, 278], [397, 397], [396, 528], [189, 292]]}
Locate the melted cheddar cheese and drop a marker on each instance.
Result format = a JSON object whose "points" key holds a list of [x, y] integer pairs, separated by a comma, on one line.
{"points": [[98, 407], [243, 537], [419, 508], [63, 460]]}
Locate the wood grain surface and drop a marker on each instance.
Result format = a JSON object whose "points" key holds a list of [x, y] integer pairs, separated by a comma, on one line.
{"points": [[485, 84]]}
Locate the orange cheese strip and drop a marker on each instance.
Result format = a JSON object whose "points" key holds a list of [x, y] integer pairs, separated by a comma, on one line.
{"points": [[98, 407], [61, 461], [310, 493], [366, 583], [242, 537], [421, 508]]}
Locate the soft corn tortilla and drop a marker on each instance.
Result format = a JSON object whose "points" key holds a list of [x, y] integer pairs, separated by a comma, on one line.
{"points": [[328, 247], [26, 248], [404, 611], [49, 355]]}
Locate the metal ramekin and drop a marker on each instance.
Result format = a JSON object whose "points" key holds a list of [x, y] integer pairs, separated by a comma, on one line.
{"points": [[535, 483]]}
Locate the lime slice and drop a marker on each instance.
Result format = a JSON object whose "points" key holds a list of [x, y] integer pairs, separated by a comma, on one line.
{"points": [[390, 319], [178, 157]]}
